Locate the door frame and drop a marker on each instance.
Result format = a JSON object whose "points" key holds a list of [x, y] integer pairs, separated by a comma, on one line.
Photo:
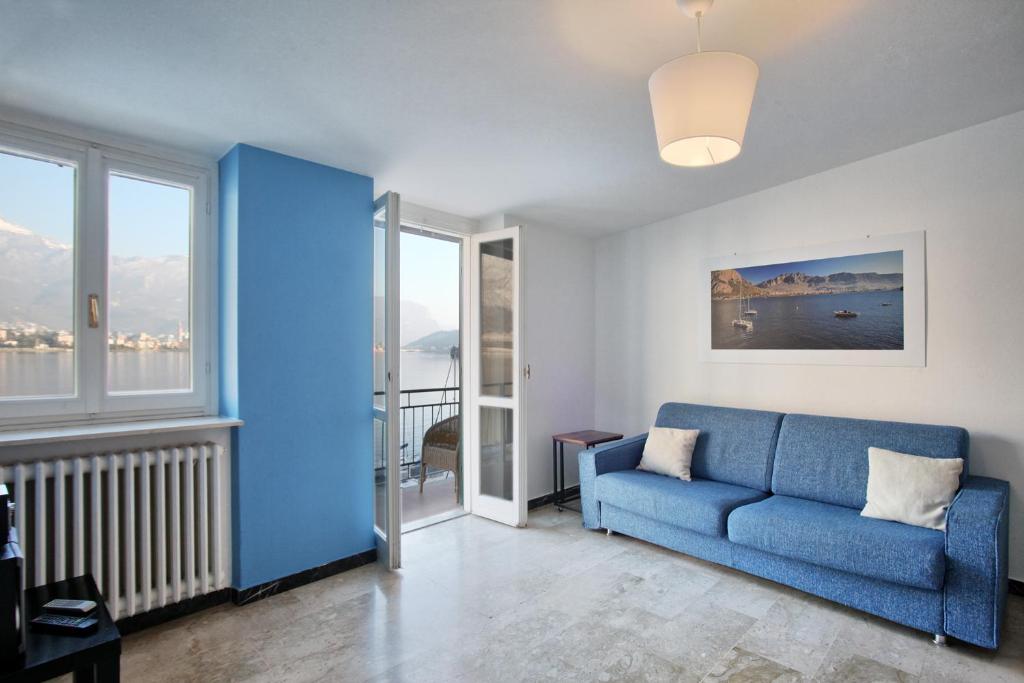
{"points": [[469, 231], [389, 545], [422, 223]]}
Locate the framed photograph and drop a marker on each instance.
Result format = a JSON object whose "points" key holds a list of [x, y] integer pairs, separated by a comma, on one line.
{"points": [[850, 303]]}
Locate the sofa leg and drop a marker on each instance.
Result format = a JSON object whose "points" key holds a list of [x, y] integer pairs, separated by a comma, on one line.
{"points": [[609, 532], [939, 640]]}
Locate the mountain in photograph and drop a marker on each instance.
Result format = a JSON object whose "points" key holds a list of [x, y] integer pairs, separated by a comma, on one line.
{"points": [[789, 284], [147, 294], [727, 284]]}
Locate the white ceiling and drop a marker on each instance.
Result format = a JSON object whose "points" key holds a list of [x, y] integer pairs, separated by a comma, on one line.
{"points": [[532, 107]]}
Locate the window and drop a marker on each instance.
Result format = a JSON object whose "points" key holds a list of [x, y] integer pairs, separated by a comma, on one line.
{"points": [[37, 275], [106, 297], [149, 228]]}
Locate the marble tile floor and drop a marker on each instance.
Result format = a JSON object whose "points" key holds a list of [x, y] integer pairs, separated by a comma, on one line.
{"points": [[478, 601]]}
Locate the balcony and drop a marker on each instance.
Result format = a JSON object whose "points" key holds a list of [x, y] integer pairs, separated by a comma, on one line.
{"points": [[420, 409]]}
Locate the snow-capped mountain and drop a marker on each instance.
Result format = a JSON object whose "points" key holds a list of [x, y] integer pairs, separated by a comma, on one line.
{"points": [[37, 280]]}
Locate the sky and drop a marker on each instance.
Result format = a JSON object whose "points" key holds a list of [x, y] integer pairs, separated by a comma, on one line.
{"points": [[881, 262], [146, 219], [430, 276]]}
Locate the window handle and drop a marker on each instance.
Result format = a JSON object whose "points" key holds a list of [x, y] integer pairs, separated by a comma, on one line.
{"points": [[94, 310]]}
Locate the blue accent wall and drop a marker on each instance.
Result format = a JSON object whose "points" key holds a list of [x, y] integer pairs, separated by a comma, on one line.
{"points": [[296, 254]]}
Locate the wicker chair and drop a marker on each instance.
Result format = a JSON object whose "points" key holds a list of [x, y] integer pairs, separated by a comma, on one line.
{"points": [[441, 450]]}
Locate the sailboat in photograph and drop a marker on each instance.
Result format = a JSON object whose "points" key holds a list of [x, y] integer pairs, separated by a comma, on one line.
{"points": [[749, 311], [742, 322]]}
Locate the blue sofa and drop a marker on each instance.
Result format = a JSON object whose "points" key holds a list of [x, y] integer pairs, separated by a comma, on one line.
{"points": [[779, 496]]}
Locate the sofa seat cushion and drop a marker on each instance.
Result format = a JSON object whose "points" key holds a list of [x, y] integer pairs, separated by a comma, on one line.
{"points": [[838, 537], [700, 505]]}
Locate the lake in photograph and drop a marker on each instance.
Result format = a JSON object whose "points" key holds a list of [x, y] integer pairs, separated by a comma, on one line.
{"points": [[809, 322]]}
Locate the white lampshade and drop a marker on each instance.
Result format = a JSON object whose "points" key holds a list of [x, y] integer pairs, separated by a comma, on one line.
{"points": [[701, 103]]}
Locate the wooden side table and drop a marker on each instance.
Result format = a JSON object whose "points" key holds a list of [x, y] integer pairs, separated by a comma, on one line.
{"points": [[92, 658], [588, 438]]}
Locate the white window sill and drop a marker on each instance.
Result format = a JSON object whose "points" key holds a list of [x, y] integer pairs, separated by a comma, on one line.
{"points": [[102, 431]]}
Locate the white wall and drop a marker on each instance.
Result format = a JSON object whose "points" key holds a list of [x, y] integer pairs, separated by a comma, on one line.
{"points": [[965, 189], [559, 304]]}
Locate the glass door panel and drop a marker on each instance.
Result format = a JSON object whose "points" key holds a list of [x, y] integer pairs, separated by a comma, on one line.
{"points": [[497, 289], [498, 473], [496, 452], [387, 502]]}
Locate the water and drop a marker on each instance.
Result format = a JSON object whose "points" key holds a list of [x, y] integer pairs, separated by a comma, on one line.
{"points": [[808, 322], [148, 370], [421, 370], [36, 373], [51, 373]]}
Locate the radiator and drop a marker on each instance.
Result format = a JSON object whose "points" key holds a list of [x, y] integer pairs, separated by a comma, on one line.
{"points": [[148, 524]]}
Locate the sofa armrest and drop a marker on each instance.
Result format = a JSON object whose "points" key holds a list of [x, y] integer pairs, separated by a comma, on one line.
{"points": [[610, 457], [976, 561]]}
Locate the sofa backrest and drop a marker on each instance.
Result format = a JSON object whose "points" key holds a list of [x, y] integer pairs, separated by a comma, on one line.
{"points": [[826, 458], [735, 446]]}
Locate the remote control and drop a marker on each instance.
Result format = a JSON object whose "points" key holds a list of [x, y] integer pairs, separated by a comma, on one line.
{"points": [[74, 607], [64, 625]]}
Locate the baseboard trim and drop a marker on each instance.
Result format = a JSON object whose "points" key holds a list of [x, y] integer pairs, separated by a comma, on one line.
{"points": [[1016, 587], [547, 499], [245, 596], [162, 615], [182, 608]]}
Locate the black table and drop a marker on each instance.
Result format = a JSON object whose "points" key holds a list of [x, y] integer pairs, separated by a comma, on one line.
{"points": [[587, 438], [91, 658]]}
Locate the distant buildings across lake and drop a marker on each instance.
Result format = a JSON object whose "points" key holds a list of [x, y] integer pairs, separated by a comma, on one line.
{"points": [[32, 336]]}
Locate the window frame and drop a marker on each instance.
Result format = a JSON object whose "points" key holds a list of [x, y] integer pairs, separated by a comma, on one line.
{"points": [[92, 402]]}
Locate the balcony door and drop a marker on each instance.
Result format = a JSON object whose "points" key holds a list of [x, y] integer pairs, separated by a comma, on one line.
{"points": [[386, 412], [495, 390]]}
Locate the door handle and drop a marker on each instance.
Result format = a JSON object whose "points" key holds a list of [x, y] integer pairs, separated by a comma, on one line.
{"points": [[94, 310]]}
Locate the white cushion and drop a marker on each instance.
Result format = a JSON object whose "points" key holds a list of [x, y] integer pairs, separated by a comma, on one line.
{"points": [[912, 489], [669, 451]]}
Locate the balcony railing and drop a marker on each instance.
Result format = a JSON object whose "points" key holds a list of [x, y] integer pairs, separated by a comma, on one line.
{"points": [[419, 410]]}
